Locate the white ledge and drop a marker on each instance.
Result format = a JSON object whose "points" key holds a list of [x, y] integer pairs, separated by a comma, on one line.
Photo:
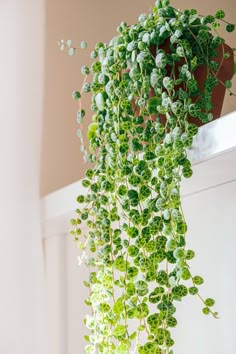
{"points": [[213, 156], [215, 138]]}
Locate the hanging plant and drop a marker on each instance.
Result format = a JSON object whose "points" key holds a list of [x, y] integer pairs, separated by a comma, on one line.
{"points": [[146, 94]]}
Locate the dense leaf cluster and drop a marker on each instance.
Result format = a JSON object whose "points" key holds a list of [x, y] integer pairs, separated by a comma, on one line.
{"points": [[144, 94]]}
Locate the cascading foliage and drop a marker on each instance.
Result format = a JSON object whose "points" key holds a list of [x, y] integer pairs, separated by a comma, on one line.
{"points": [[143, 98]]}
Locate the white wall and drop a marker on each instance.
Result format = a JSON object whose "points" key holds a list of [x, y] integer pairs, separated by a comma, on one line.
{"points": [[55, 267], [22, 313], [211, 218]]}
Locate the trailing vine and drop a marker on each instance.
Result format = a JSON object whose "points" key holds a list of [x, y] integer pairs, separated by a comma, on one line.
{"points": [[145, 94]]}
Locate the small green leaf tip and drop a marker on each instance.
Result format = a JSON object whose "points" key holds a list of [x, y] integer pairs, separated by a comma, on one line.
{"points": [[76, 95], [220, 14], [72, 51], [83, 45], [230, 27]]}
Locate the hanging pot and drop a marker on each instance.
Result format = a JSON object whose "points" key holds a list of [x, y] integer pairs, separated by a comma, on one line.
{"points": [[225, 72]]}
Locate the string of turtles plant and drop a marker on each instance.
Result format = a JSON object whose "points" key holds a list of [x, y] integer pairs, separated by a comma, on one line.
{"points": [[138, 138]]}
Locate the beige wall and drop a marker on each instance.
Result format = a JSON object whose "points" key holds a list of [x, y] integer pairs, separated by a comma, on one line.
{"points": [[93, 21]]}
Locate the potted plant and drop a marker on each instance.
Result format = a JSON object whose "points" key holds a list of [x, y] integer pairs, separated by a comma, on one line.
{"points": [[145, 97]]}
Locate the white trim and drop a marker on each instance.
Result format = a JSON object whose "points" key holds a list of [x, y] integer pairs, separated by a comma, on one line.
{"points": [[213, 139]]}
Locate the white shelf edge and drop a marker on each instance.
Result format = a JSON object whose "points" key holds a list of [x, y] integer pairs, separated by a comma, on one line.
{"points": [[215, 138]]}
